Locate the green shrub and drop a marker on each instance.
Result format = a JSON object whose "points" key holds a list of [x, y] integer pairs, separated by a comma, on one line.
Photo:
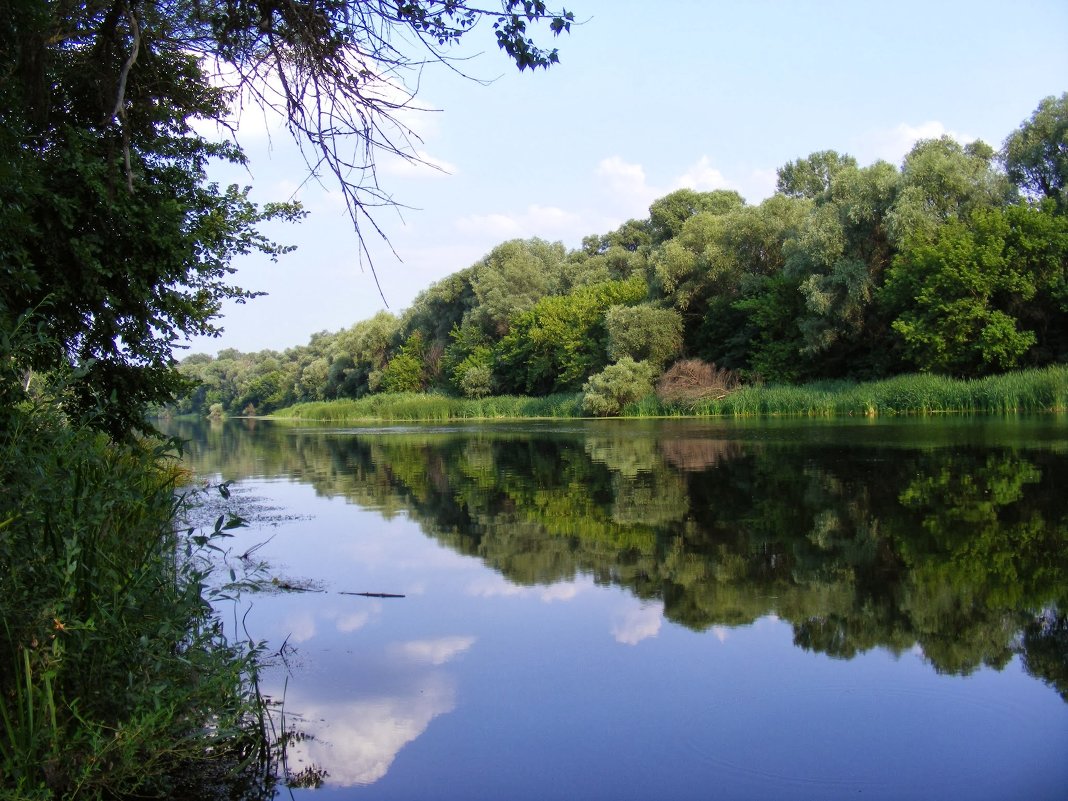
{"points": [[626, 381], [477, 381]]}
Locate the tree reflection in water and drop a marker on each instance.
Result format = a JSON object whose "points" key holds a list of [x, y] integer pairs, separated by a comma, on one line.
{"points": [[892, 537]]}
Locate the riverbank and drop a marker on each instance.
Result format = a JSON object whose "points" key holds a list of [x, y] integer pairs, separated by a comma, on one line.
{"points": [[1041, 390], [115, 678]]}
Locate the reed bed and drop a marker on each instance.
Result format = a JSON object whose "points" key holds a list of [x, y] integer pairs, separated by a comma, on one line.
{"points": [[1037, 390], [430, 408]]}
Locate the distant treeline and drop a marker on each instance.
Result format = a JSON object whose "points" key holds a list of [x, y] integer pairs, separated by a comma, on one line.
{"points": [[954, 264]]}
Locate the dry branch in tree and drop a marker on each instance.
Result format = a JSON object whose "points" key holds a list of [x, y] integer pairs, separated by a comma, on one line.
{"points": [[339, 72]]}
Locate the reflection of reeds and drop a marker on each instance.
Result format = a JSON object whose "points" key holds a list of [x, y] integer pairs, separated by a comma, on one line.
{"points": [[698, 454]]}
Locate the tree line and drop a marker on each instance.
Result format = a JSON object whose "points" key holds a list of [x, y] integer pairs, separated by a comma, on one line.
{"points": [[953, 263]]}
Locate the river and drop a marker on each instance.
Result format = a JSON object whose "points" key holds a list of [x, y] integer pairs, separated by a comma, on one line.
{"points": [[815, 609]]}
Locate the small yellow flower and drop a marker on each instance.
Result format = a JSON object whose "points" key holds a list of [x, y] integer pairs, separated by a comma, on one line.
{"points": [[57, 624]]}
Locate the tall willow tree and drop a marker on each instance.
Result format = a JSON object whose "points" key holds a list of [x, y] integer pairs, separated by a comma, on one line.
{"points": [[113, 242]]}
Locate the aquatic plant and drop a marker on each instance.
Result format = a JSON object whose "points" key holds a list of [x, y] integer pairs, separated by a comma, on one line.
{"points": [[116, 679]]}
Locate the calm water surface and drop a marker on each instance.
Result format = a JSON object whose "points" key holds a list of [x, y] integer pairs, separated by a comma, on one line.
{"points": [[661, 610]]}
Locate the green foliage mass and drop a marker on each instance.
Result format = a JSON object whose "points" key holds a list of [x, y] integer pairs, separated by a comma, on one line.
{"points": [[952, 263], [960, 296], [644, 333], [608, 392], [406, 371], [562, 339]]}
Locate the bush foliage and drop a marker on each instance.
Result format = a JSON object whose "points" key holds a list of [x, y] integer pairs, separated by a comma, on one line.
{"points": [[618, 385]]}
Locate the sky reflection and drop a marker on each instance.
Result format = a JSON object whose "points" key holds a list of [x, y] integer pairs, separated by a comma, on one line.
{"points": [[565, 623]]}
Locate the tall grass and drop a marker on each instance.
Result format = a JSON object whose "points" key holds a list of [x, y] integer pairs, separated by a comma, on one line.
{"points": [[1044, 389], [115, 679], [417, 407]]}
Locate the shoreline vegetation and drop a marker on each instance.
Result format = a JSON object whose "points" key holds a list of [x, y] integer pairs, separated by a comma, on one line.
{"points": [[117, 679], [1036, 390]]}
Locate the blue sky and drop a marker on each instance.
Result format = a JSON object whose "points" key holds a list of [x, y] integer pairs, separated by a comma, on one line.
{"points": [[648, 98]]}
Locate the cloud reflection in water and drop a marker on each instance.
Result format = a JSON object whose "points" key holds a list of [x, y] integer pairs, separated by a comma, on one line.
{"points": [[359, 740], [356, 741]]}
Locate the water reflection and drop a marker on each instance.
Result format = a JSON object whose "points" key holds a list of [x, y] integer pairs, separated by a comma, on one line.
{"points": [[357, 737], [956, 550], [949, 541]]}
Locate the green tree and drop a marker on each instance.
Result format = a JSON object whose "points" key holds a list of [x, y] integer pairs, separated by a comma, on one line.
{"points": [[942, 180], [838, 255], [811, 177], [751, 251], [511, 278], [644, 333], [470, 348], [112, 232], [439, 309], [668, 214], [1036, 155], [312, 381], [406, 370], [959, 296], [562, 339]]}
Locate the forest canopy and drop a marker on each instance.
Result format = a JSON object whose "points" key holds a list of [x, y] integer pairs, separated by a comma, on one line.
{"points": [[953, 262]]}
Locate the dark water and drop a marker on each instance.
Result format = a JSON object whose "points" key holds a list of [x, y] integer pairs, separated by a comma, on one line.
{"points": [[673, 610]]}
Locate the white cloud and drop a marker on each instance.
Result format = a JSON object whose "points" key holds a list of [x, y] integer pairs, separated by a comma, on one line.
{"points": [[353, 622], [301, 626], [493, 226], [893, 144], [546, 222], [631, 193], [759, 185], [560, 592], [702, 177], [621, 176], [638, 623], [625, 193], [495, 586]]}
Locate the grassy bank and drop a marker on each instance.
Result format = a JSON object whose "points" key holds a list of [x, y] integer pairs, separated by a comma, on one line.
{"points": [[115, 681], [420, 407], [1024, 391]]}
